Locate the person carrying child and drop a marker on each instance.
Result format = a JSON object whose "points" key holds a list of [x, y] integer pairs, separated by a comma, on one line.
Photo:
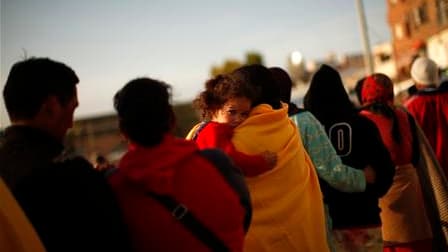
{"points": [[224, 105]]}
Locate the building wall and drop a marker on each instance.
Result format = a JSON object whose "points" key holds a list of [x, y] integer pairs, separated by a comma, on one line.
{"points": [[101, 135], [416, 28], [437, 47], [97, 135]]}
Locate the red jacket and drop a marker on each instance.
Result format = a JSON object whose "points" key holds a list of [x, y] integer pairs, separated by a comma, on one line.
{"points": [[401, 153], [219, 135], [175, 168], [430, 110]]}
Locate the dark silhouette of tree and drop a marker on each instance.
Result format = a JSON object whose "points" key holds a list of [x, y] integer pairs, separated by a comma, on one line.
{"points": [[254, 58], [229, 65]]}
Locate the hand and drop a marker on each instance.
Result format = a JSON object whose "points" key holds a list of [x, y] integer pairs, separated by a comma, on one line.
{"points": [[271, 158], [370, 174]]}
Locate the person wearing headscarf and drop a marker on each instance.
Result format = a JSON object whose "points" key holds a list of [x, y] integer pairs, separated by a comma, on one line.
{"points": [[356, 216], [405, 225]]}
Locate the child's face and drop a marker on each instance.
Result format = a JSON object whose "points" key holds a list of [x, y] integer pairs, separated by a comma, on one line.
{"points": [[234, 111]]}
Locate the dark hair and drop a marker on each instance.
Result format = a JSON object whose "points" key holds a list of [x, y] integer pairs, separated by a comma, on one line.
{"points": [[262, 80], [358, 89], [31, 81], [144, 110], [284, 82], [218, 91], [326, 97]]}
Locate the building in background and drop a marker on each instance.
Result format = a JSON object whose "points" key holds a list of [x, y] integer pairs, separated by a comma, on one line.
{"points": [[95, 136], [437, 48], [100, 135], [419, 27], [297, 69]]}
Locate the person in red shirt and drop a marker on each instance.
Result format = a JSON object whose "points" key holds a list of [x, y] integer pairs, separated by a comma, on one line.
{"points": [[173, 196], [224, 105], [429, 106], [405, 225]]}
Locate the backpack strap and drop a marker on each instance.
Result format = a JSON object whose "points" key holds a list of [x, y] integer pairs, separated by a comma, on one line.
{"points": [[181, 213], [198, 130], [234, 178]]}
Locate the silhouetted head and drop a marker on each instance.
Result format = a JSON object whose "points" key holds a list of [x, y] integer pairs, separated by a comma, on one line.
{"points": [[41, 92], [30, 82], [261, 79], [326, 97], [144, 111], [284, 83]]}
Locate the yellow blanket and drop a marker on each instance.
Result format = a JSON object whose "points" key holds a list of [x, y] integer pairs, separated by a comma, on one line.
{"points": [[288, 212], [16, 233]]}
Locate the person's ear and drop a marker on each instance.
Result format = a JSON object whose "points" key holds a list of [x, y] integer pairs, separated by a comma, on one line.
{"points": [[50, 106], [123, 132]]}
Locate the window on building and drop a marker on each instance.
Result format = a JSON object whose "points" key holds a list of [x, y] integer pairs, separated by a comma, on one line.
{"points": [[420, 15], [383, 57], [407, 28], [442, 11], [398, 30]]}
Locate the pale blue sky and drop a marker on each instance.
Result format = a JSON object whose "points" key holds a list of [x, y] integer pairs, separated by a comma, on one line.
{"points": [[109, 42]]}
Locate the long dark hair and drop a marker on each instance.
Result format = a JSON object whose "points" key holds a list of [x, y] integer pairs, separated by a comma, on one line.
{"points": [[389, 112]]}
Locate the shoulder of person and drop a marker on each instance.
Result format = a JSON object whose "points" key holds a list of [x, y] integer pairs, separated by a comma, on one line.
{"points": [[300, 112], [77, 167], [72, 160], [363, 122]]}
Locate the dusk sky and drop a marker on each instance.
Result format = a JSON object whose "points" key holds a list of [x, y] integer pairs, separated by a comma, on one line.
{"points": [[109, 42]]}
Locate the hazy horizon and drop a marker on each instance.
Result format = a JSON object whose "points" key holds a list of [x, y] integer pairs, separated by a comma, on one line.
{"points": [[108, 43]]}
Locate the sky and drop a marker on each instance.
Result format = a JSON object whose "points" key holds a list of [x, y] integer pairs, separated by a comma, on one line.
{"points": [[109, 42]]}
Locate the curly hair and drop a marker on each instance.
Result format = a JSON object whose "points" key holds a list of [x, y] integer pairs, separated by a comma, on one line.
{"points": [[218, 91]]}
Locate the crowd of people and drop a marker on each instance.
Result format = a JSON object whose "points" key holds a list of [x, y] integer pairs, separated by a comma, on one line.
{"points": [[258, 173]]}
